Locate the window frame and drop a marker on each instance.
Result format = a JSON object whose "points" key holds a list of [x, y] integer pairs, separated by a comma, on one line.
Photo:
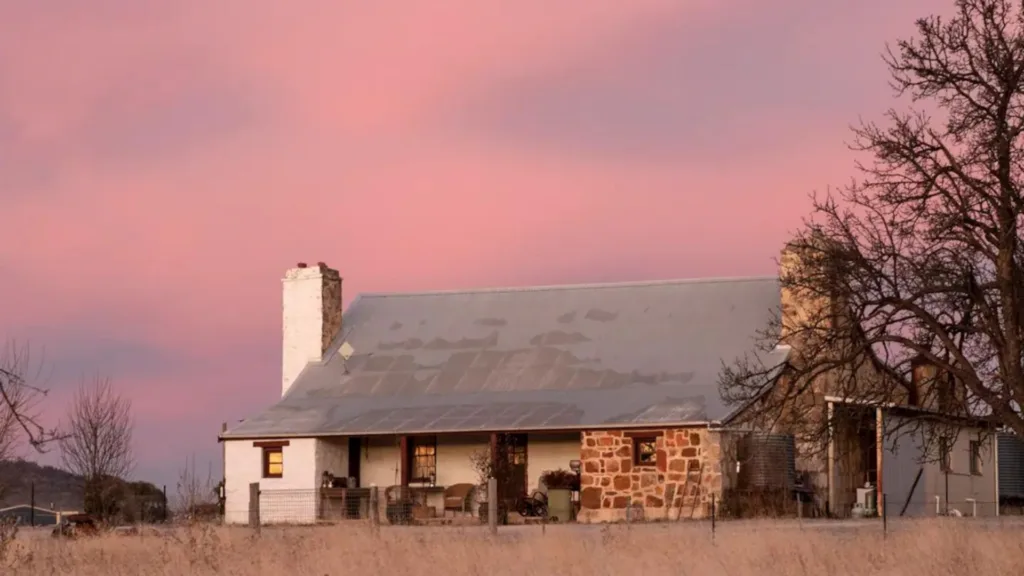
{"points": [[516, 450], [414, 460], [639, 441], [267, 452], [946, 393], [945, 455], [976, 464], [266, 449]]}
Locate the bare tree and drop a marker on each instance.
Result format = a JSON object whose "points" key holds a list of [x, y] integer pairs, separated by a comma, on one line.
{"points": [[919, 261], [20, 399], [197, 494], [97, 442]]}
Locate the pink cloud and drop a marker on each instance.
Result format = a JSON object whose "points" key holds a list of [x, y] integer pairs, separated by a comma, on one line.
{"points": [[193, 150]]}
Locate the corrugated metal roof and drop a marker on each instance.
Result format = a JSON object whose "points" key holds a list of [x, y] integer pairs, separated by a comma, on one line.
{"points": [[533, 358]]}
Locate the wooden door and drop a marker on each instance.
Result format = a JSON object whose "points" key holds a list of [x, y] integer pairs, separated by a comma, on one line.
{"points": [[355, 459], [512, 449]]}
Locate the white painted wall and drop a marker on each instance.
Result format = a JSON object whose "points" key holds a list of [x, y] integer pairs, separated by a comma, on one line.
{"points": [[243, 464], [294, 497], [380, 465], [332, 456], [381, 459], [455, 464], [302, 311], [549, 452], [901, 465], [454, 458], [311, 312]]}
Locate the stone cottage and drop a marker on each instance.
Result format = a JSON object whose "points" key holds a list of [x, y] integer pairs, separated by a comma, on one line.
{"points": [[403, 389]]}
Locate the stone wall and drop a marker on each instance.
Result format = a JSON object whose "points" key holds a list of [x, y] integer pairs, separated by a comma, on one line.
{"points": [[331, 306], [688, 470]]}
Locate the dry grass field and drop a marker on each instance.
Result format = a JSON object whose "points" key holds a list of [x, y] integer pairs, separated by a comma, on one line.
{"points": [[925, 548]]}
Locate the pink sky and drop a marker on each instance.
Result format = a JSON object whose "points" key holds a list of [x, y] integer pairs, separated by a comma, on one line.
{"points": [[163, 163]]}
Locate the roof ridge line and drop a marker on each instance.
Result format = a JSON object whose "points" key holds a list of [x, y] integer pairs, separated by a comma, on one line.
{"points": [[581, 286]]}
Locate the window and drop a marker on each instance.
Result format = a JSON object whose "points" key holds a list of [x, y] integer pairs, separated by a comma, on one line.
{"points": [[273, 462], [423, 459], [272, 457], [645, 451], [515, 447], [912, 393], [919, 375], [975, 458], [944, 462], [947, 394]]}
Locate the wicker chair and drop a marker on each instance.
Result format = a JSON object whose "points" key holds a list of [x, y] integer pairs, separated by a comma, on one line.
{"points": [[457, 498]]}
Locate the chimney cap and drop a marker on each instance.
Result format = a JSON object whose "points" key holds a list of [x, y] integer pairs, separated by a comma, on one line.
{"points": [[322, 265], [301, 264]]}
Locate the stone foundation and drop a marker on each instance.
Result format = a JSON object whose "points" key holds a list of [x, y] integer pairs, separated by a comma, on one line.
{"points": [[687, 471]]}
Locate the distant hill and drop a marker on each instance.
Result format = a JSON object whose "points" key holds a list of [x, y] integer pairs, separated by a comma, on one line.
{"points": [[54, 486]]}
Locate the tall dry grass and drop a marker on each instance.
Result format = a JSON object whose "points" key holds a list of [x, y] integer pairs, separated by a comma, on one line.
{"points": [[930, 548]]}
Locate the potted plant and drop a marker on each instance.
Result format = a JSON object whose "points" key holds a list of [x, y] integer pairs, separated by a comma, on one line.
{"points": [[485, 470], [560, 484]]}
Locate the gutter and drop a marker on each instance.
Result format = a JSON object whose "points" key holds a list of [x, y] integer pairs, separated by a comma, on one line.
{"points": [[977, 421], [842, 400], [602, 427], [721, 428]]}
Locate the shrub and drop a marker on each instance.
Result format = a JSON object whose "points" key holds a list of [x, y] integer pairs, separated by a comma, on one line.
{"points": [[560, 479]]}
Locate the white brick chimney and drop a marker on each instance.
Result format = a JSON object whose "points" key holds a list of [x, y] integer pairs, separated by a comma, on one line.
{"points": [[312, 317]]}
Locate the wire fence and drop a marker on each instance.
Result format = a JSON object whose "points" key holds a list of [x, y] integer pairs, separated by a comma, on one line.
{"points": [[389, 506], [315, 506], [143, 509], [375, 507]]}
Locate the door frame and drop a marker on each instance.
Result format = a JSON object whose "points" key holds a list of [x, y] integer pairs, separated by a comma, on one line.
{"points": [[501, 443]]}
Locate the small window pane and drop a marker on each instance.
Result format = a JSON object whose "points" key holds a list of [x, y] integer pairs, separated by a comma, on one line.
{"points": [[975, 458], [423, 458], [645, 451], [273, 462]]}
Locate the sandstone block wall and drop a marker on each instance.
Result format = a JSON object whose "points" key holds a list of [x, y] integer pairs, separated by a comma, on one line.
{"points": [[687, 471]]}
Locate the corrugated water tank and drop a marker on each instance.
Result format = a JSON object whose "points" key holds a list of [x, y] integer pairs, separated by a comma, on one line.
{"points": [[1011, 465], [767, 461]]}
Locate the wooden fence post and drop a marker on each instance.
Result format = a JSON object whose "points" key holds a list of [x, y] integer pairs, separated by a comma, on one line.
{"points": [[254, 506], [374, 511], [492, 505]]}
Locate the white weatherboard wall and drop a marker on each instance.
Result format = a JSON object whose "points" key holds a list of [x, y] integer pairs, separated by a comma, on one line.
{"points": [[901, 464], [964, 486], [243, 464], [902, 458]]}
